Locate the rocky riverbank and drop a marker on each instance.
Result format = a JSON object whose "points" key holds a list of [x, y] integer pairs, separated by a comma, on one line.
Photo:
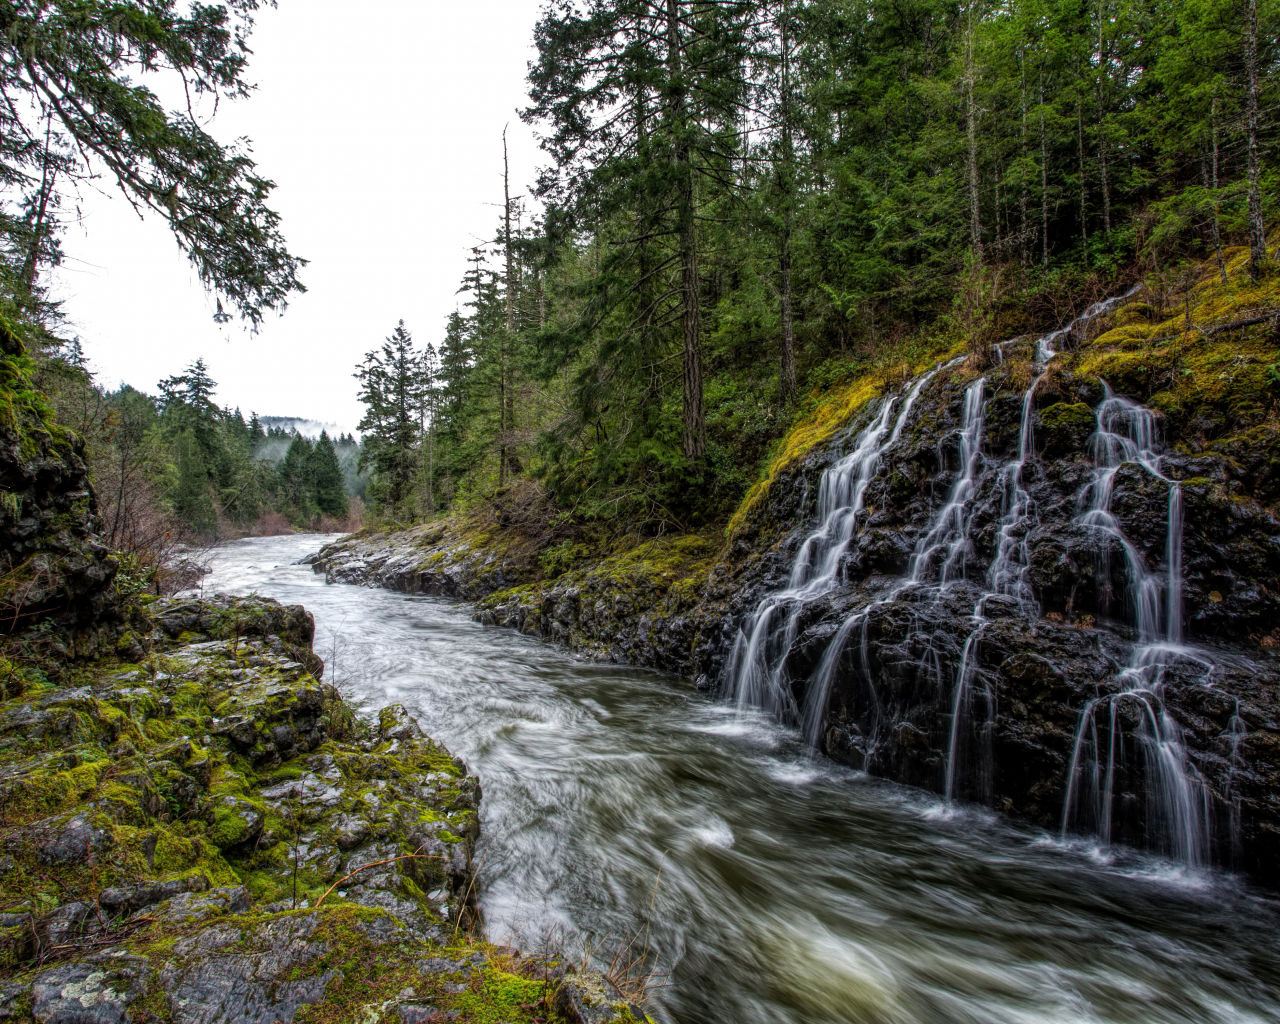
{"points": [[1056, 700], [196, 829]]}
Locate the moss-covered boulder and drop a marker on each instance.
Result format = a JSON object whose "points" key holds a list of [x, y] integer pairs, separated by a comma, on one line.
{"points": [[51, 565], [209, 833]]}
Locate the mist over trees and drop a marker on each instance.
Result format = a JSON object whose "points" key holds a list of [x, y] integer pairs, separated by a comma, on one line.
{"points": [[178, 467], [745, 201]]}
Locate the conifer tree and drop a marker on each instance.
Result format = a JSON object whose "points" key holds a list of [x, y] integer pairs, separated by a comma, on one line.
{"points": [[652, 159], [392, 388], [329, 489], [71, 72]]}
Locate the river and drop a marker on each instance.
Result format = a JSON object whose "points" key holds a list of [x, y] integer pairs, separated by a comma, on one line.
{"points": [[770, 886]]}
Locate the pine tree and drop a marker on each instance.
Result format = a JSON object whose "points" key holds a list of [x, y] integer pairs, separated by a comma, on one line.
{"points": [[296, 481], [329, 490], [70, 71], [677, 67], [392, 388]]}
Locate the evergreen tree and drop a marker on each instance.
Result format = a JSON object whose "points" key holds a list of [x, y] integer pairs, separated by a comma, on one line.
{"points": [[70, 71], [297, 482], [392, 387], [330, 493], [644, 99]]}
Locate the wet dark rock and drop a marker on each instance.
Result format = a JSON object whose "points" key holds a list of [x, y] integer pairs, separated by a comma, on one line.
{"points": [[590, 1000], [98, 990], [1035, 674], [193, 907], [261, 986], [69, 841], [121, 901]]}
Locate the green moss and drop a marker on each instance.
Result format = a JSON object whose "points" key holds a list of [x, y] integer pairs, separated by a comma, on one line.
{"points": [[1213, 381], [1074, 415]]}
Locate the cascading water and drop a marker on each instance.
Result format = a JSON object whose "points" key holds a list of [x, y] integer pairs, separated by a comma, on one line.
{"points": [[757, 664], [1125, 435], [1178, 812]]}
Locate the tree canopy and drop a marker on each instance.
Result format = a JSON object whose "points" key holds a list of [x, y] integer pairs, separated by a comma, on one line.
{"points": [[77, 77]]}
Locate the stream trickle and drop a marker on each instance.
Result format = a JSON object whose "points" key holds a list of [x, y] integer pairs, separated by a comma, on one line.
{"points": [[774, 887], [1178, 804]]}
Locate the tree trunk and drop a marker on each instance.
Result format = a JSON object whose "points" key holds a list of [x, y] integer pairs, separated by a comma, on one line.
{"points": [[1257, 227], [999, 173], [694, 422], [1084, 206], [1022, 176], [31, 267], [1044, 182], [508, 327], [1102, 123], [971, 128], [787, 370], [1217, 235]]}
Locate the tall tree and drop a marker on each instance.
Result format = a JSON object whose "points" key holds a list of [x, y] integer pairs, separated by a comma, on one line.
{"points": [[329, 489], [679, 64], [392, 388], [74, 108]]}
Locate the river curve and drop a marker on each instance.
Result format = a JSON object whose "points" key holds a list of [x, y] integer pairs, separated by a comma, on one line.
{"points": [[771, 887]]}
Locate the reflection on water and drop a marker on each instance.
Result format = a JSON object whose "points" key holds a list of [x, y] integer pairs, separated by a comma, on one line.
{"points": [[790, 890]]}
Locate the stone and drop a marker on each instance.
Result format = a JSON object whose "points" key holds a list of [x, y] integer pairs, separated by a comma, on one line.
{"points": [[260, 986], [192, 907], [70, 841], [588, 999], [395, 723], [417, 1013], [121, 902], [98, 990], [67, 923]]}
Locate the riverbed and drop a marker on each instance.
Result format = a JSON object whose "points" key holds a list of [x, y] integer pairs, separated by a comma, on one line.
{"points": [[622, 806]]}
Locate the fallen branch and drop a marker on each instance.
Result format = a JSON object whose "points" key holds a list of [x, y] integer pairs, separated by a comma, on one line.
{"points": [[1210, 331], [376, 863]]}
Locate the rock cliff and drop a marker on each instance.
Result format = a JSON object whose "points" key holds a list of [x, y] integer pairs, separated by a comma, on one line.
{"points": [[51, 564]]}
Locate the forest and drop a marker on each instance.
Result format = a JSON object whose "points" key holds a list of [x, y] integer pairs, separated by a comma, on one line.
{"points": [[825, 568], [747, 203], [744, 204]]}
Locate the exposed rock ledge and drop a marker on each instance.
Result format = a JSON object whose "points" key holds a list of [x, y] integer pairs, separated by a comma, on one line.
{"points": [[677, 604], [648, 605], [205, 832]]}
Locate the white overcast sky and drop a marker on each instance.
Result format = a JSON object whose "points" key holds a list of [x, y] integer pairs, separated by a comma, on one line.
{"points": [[382, 128]]}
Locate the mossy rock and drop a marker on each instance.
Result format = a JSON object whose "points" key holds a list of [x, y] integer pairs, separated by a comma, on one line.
{"points": [[1066, 427]]}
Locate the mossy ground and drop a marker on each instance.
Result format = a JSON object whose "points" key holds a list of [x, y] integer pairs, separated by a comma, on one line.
{"points": [[825, 413], [212, 764], [1217, 387]]}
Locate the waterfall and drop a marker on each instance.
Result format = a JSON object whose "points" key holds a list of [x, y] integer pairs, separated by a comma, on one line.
{"points": [[757, 665], [949, 534], [1177, 799], [1007, 573], [1126, 434]]}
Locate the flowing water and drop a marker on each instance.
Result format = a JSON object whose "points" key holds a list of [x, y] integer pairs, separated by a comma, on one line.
{"points": [[772, 886], [1178, 811]]}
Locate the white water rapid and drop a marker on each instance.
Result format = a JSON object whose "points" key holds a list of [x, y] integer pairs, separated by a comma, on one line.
{"points": [[769, 887]]}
